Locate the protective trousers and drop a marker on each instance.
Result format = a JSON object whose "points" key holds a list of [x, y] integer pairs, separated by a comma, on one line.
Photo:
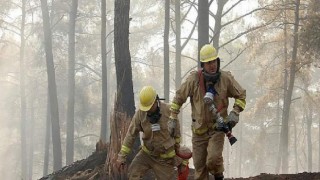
{"points": [[163, 168], [207, 154]]}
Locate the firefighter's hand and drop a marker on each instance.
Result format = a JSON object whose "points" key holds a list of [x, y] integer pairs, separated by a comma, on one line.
{"points": [[172, 124], [232, 119], [121, 161]]}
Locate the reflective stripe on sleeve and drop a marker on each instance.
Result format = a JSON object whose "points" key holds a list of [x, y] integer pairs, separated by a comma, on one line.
{"points": [[241, 103], [175, 107], [125, 149]]}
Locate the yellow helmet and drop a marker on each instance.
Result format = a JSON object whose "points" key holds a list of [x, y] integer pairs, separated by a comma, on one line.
{"points": [[147, 97], [208, 53]]}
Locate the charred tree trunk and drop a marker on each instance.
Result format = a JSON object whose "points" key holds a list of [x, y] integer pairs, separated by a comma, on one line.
{"points": [[124, 98]]}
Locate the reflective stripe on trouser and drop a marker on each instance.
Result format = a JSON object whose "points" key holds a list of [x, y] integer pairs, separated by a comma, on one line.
{"points": [[207, 154], [162, 168], [168, 155]]}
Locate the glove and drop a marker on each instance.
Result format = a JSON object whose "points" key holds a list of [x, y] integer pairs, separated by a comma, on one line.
{"points": [[232, 119], [121, 160], [177, 147], [172, 123]]}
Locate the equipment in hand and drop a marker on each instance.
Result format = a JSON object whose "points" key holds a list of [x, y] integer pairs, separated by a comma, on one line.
{"points": [[221, 125], [184, 154]]}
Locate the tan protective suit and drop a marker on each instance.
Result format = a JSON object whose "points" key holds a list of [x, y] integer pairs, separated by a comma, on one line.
{"points": [[158, 149], [207, 142]]}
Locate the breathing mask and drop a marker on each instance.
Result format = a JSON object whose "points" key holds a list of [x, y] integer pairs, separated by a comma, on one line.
{"points": [[154, 118], [210, 93]]}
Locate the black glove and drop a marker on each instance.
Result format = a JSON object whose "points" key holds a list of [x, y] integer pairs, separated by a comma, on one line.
{"points": [[232, 119]]}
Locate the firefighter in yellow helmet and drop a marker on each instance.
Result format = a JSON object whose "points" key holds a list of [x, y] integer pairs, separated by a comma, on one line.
{"points": [[209, 90], [158, 151]]}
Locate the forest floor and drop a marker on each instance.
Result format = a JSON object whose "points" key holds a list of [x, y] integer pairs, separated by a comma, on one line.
{"points": [[264, 176], [299, 176], [93, 168]]}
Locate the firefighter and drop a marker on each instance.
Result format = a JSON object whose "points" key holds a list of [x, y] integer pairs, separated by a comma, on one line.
{"points": [[207, 140], [158, 151]]}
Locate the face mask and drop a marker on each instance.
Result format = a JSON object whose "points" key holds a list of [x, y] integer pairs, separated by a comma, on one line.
{"points": [[154, 117]]}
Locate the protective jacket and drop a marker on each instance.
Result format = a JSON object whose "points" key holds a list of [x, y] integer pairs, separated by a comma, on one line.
{"points": [[155, 143], [202, 118]]}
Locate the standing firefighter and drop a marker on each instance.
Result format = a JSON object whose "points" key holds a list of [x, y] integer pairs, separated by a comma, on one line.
{"points": [[159, 147], [209, 90]]}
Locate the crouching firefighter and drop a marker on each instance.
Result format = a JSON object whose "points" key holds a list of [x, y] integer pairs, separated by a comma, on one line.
{"points": [[209, 90], [159, 147]]}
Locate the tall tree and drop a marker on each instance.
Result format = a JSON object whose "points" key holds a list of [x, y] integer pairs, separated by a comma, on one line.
{"points": [[218, 23], [31, 128], [178, 44], [54, 110], [285, 78], [124, 98], [71, 83], [203, 25], [166, 60], [103, 132], [47, 140], [288, 96], [23, 105]]}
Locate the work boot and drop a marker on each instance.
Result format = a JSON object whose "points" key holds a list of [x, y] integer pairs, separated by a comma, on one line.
{"points": [[218, 176]]}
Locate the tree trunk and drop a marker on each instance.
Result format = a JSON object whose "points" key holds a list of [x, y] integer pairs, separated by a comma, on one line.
{"points": [[71, 84], [103, 132], [23, 106], [47, 140], [285, 87], [203, 25], [319, 145], [287, 102], [217, 24], [178, 44], [124, 98], [56, 140], [109, 65], [309, 139], [178, 54], [295, 143], [166, 57], [31, 130]]}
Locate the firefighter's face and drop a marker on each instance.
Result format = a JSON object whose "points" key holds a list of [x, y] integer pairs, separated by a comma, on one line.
{"points": [[211, 66], [154, 107]]}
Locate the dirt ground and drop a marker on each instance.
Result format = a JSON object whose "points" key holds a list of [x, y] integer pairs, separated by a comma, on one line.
{"points": [[300, 176], [264, 176]]}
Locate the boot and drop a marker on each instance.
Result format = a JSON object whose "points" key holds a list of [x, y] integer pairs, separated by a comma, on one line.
{"points": [[218, 176]]}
